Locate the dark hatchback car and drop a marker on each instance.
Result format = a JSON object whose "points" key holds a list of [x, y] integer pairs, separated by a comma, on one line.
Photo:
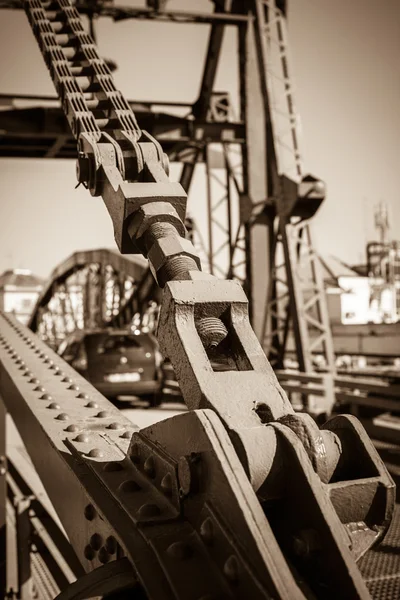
{"points": [[116, 362]]}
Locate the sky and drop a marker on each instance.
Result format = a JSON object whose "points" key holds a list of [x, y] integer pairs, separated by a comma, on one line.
{"points": [[346, 68]]}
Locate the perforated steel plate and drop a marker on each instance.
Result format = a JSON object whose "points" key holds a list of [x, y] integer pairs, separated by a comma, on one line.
{"points": [[381, 567]]}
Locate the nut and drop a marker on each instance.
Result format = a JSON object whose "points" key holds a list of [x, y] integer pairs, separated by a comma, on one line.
{"points": [[154, 212], [165, 248]]}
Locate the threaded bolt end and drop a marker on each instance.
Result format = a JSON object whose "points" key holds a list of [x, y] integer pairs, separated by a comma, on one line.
{"points": [[157, 231], [177, 267], [212, 331]]}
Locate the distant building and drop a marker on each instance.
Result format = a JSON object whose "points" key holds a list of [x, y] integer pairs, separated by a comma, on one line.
{"points": [[19, 290]]}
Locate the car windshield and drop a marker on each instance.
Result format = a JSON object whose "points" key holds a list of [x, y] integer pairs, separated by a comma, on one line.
{"points": [[118, 343]]}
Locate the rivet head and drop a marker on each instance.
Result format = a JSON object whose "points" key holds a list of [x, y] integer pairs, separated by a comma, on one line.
{"points": [[92, 404], [187, 473], [89, 512], [66, 380], [231, 569], [103, 556], [96, 541], [72, 428], [207, 531], [73, 387], [20, 362], [82, 437], [45, 396], [103, 414], [49, 362], [89, 553], [135, 452], [150, 467], [179, 551], [166, 484], [34, 381], [113, 466], [28, 374], [95, 453], [129, 486], [54, 406], [62, 417], [83, 396], [126, 435], [114, 426], [111, 544], [149, 510]]}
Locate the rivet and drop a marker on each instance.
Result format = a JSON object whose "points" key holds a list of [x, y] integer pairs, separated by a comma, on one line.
{"points": [[37, 351], [231, 569], [54, 406], [126, 435], [73, 387], [28, 374], [82, 437], [111, 544], [113, 466], [43, 355], [207, 530], [62, 417], [89, 512], [103, 414], [66, 380], [83, 396], [103, 556], [179, 550], [166, 484], [89, 553], [95, 453], [115, 426], [46, 397], [34, 381], [57, 371], [20, 362], [129, 486], [135, 452], [149, 510], [72, 428], [96, 541], [49, 362], [149, 467], [92, 404]]}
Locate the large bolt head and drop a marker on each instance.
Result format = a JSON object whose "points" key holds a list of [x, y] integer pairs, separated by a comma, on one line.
{"points": [[154, 212], [165, 248]]}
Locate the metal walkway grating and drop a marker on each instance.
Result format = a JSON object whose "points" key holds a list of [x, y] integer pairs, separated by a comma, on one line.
{"points": [[381, 566]]}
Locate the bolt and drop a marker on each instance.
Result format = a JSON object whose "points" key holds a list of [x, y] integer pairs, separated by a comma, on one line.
{"points": [[95, 453], [149, 510], [179, 550], [231, 569], [62, 417], [212, 331], [207, 530], [167, 484], [92, 405], [187, 473], [149, 467], [129, 486]]}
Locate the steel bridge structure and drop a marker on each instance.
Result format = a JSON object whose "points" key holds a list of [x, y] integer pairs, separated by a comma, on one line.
{"points": [[239, 487]]}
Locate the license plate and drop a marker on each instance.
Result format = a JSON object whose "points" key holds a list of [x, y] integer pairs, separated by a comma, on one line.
{"points": [[122, 377]]}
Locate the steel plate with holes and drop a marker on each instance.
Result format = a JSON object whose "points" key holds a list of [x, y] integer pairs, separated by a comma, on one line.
{"points": [[381, 567]]}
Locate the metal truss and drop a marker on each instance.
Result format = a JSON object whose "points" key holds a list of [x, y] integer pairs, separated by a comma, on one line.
{"points": [[87, 291], [296, 305]]}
